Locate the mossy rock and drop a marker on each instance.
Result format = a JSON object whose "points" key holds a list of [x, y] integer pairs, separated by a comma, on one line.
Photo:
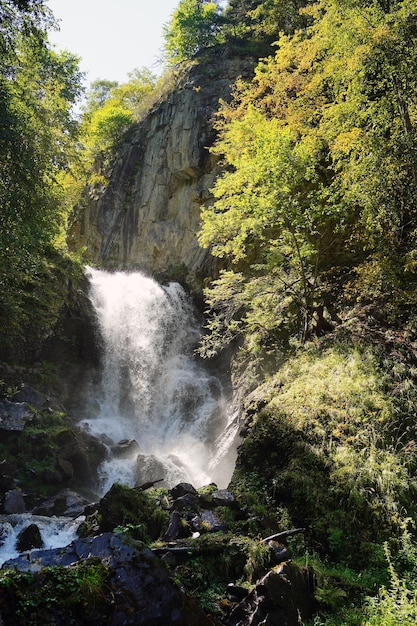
{"points": [[123, 506]]}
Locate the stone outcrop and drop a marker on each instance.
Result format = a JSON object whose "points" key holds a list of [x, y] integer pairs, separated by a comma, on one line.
{"points": [[138, 588], [14, 415], [148, 213], [283, 597]]}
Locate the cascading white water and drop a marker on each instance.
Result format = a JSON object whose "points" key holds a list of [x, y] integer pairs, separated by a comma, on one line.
{"points": [[56, 532], [153, 391]]}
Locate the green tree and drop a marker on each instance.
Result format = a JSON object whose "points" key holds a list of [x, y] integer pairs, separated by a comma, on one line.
{"points": [[261, 21], [194, 25], [38, 88], [307, 146], [138, 93], [97, 94]]}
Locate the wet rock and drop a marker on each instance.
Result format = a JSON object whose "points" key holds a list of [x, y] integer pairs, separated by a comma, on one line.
{"points": [[149, 469], [29, 538], [66, 502], [280, 551], [167, 471], [14, 415], [84, 451], [236, 593], [174, 527], [181, 489], [5, 530], [140, 588], [14, 502], [125, 448], [51, 476], [67, 442], [210, 521], [66, 468], [283, 597], [222, 497], [188, 502], [27, 394]]}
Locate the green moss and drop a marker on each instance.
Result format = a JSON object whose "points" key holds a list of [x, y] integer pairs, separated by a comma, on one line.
{"points": [[56, 594], [35, 451], [333, 428], [135, 510], [35, 296]]}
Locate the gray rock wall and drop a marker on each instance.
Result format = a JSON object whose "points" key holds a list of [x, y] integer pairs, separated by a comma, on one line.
{"points": [[148, 215]]}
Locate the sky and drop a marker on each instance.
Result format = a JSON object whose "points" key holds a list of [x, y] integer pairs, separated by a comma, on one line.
{"points": [[112, 37]]}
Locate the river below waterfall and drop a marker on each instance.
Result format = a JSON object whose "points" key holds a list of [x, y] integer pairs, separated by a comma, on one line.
{"points": [[161, 414], [56, 532]]}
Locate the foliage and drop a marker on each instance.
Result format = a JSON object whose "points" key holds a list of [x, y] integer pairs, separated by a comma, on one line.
{"points": [[109, 112], [108, 124], [35, 284], [194, 26], [340, 457], [111, 108], [56, 594], [36, 451], [214, 560], [38, 88], [300, 208], [394, 605]]}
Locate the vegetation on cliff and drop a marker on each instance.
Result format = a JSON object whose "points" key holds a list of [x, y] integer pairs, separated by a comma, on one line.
{"points": [[314, 223], [314, 218]]}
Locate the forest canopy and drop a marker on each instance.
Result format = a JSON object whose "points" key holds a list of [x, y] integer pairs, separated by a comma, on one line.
{"points": [[317, 198]]}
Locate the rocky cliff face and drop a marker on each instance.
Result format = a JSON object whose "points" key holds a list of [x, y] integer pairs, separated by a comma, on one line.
{"points": [[148, 214]]}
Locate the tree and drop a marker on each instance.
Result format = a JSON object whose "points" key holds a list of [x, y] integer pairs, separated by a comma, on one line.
{"points": [[194, 25], [306, 148], [262, 20], [97, 94], [38, 88]]}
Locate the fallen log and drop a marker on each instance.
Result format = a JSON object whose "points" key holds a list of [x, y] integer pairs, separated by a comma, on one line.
{"points": [[284, 533]]}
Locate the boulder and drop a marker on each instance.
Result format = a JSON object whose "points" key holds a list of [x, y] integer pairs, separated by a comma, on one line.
{"points": [[125, 448], [149, 469], [188, 502], [30, 396], [181, 489], [138, 587], [14, 502], [122, 506], [222, 497], [83, 451], [66, 502], [168, 470], [29, 538], [14, 415], [284, 596]]}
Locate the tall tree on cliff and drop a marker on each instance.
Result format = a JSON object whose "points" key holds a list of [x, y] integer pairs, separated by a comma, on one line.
{"points": [[37, 90], [194, 26], [321, 175]]}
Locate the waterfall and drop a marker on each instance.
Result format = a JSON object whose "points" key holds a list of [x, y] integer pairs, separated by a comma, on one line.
{"points": [[161, 414]]}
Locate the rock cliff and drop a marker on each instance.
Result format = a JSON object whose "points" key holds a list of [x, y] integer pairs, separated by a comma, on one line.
{"points": [[148, 213]]}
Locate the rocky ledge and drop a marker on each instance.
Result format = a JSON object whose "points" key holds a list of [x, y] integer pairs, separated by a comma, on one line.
{"points": [[158, 557]]}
